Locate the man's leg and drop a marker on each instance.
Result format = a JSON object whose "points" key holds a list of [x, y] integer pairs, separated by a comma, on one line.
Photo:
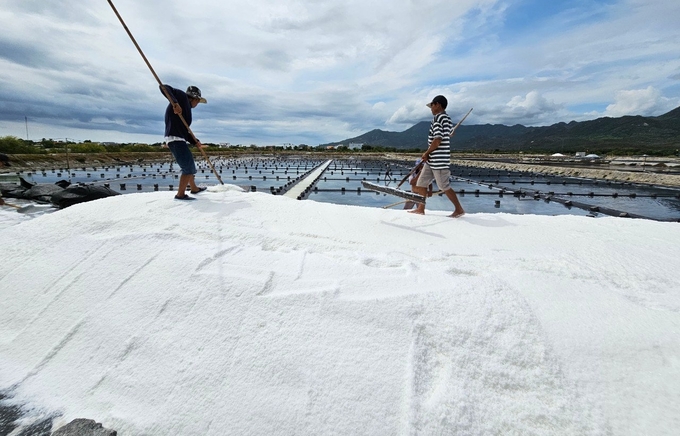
{"points": [[420, 209], [451, 194], [184, 179], [442, 178], [192, 184], [185, 160], [409, 204], [425, 178]]}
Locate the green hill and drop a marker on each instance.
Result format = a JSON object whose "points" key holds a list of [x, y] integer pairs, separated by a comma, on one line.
{"points": [[627, 134]]}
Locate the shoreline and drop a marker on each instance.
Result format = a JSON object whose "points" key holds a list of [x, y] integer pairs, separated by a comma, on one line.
{"points": [[611, 174]]}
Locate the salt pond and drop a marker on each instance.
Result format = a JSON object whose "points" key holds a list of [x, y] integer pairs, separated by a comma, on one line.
{"points": [[481, 190]]}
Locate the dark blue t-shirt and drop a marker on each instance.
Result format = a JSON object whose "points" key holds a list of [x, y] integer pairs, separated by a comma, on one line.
{"points": [[173, 124]]}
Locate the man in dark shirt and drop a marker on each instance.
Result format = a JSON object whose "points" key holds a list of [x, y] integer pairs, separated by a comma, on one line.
{"points": [[178, 137]]}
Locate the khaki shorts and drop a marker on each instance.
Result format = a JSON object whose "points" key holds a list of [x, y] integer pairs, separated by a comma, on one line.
{"points": [[427, 175]]}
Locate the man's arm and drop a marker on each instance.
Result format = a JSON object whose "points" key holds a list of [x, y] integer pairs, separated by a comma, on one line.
{"points": [[431, 148], [173, 94], [169, 92]]}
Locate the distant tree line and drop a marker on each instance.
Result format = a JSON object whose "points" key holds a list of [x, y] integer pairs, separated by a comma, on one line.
{"points": [[14, 145]]}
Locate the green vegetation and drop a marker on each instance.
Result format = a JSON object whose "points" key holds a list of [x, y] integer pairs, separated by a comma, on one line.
{"points": [[14, 145], [87, 148]]}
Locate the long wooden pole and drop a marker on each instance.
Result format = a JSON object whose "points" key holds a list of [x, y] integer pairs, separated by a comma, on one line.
{"points": [[459, 123], [406, 201], [165, 91], [11, 205]]}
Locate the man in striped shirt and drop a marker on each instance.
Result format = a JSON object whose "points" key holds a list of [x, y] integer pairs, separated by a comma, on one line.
{"points": [[437, 158]]}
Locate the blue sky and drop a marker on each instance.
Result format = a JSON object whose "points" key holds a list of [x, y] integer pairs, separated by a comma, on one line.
{"points": [[303, 71], [525, 17]]}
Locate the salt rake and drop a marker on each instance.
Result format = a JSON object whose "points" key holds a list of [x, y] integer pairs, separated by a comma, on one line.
{"points": [[26, 209], [406, 201]]}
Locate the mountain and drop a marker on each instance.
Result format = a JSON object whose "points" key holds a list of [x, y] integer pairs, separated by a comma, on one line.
{"points": [[602, 134]]}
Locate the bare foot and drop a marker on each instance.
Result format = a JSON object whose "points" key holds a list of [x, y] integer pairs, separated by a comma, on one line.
{"points": [[416, 211], [457, 214]]}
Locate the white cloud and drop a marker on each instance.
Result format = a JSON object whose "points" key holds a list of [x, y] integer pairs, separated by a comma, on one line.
{"points": [[532, 106], [639, 102], [320, 67], [409, 114]]}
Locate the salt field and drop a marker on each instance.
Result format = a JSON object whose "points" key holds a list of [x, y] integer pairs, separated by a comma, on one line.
{"points": [[246, 313], [288, 258], [480, 189]]}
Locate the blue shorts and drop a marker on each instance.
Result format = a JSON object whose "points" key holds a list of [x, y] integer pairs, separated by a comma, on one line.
{"points": [[185, 160]]}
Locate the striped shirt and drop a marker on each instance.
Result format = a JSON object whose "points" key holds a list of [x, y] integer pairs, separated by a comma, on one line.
{"points": [[441, 127]]}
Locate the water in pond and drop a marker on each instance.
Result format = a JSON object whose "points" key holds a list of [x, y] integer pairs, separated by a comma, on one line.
{"points": [[480, 190]]}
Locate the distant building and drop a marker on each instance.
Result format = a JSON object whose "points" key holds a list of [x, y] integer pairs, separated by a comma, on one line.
{"points": [[580, 154], [355, 145]]}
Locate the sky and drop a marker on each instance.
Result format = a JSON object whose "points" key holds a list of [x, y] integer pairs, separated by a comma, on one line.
{"points": [[309, 72], [248, 313]]}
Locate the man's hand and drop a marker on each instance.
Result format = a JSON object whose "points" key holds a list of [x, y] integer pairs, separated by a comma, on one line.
{"points": [[177, 108], [433, 146], [198, 144]]}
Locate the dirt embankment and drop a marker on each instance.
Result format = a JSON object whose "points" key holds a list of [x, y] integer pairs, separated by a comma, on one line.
{"points": [[618, 175], [75, 160]]}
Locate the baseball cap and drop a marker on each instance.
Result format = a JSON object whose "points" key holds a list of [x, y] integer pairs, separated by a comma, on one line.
{"points": [[439, 99], [194, 92]]}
